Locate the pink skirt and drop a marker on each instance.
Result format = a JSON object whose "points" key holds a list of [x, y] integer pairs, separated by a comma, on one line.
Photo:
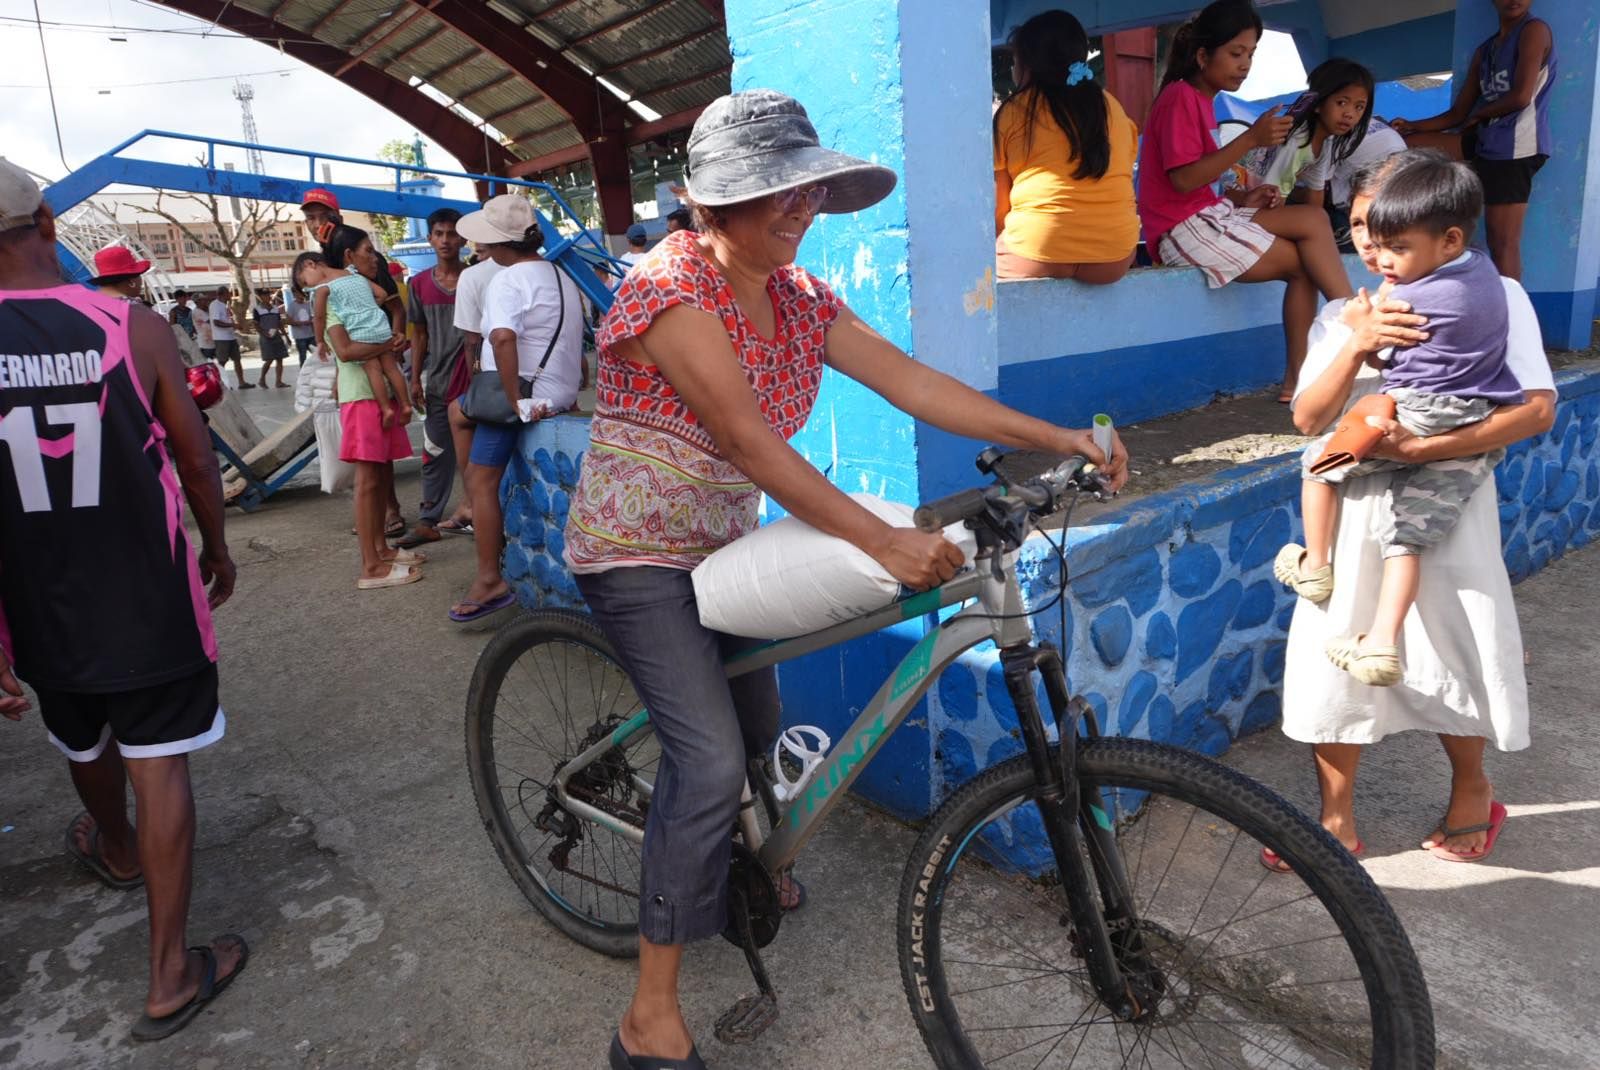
{"points": [[364, 438]]}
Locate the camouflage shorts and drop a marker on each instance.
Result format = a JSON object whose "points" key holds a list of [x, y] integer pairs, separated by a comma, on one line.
{"points": [[1424, 500]]}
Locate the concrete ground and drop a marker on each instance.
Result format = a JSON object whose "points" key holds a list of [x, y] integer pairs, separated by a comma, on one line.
{"points": [[337, 831]]}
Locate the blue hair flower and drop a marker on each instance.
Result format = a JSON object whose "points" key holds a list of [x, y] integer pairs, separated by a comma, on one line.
{"points": [[1079, 72]]}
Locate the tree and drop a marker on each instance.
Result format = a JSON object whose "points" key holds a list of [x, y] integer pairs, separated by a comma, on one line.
{"points": [[391, 228], [234, 240]]}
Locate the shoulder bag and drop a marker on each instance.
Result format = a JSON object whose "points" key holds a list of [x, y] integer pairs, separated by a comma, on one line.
{"points": [[485, 399]]}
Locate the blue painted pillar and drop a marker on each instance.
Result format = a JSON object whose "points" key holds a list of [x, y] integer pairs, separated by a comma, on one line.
{"points": [[905, 83], [1561, 240]]}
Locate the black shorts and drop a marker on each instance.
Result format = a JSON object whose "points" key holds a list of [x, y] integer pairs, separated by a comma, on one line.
{"points": [[176, 717], [1504, 181]]}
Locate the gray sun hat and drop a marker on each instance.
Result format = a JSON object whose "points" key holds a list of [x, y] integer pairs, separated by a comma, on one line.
{"points": [[747, 145]]}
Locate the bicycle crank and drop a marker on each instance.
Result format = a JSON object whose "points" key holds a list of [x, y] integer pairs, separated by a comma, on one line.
{"points": [[753, 916]]}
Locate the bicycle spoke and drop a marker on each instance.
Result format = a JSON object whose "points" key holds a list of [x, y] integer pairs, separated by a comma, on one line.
{"points": [[1244, 974]]}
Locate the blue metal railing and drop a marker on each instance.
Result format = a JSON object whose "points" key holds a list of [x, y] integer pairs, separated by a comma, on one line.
{"points": [[581, 254]]}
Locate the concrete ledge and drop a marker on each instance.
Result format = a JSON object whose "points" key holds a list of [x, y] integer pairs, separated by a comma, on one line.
{"points": [[1180, 343]]}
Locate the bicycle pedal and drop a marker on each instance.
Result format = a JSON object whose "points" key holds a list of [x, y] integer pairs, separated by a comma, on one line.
{"points": [[747, 1019]]}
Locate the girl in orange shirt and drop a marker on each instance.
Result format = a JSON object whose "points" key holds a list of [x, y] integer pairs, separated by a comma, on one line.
{"points": [[1063, 162]]}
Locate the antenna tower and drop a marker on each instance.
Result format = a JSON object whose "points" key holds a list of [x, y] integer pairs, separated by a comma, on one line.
{"points": [[244, 94]]}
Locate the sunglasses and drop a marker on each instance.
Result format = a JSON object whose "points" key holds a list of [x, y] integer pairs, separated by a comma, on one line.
{"points": [[814, 197]]}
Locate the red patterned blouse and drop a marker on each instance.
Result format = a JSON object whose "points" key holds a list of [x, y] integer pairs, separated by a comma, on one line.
{"points": [[653, 489]]}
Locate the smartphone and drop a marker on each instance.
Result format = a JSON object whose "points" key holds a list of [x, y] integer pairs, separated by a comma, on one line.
{"points": [[1300, 105]]}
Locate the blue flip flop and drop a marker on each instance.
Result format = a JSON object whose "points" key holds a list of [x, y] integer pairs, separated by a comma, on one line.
{"points": [[482, 609]]}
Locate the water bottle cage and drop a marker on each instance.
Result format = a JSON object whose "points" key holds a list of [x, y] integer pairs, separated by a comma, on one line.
{"points": [[806, 745]]}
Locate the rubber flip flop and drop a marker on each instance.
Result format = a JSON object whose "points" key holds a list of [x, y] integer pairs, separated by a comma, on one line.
{"points": [[1496, 822], [621, 1060], [450, 527], [1273, 861], [399, 575], [483, 609], [94, 862], [148, 1028], [799, 893], [394, 530]]}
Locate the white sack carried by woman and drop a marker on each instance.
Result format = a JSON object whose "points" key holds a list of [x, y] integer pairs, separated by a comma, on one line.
{"points": [[788, 578]]}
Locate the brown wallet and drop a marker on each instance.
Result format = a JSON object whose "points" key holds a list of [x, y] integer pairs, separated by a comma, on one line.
{"points": [[1352, 439]]}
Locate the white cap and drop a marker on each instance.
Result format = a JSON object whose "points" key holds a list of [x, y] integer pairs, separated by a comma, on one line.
{"points": [[20, 196], [501, 219]]}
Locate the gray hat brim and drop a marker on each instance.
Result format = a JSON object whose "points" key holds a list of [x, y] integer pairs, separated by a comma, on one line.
{"points": [[853, 183]]}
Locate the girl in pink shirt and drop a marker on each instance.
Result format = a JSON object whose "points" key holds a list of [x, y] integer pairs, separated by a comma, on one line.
{"points": [[1247, 235]]}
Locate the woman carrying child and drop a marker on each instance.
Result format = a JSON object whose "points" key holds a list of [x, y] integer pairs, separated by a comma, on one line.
{"points": [[366, 440], [1463, 677], [1452, 379], [1063, 162], [1249, 235], [358, 304]]}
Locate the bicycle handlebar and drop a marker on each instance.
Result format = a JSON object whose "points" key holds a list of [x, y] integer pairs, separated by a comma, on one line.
{"points": [[1041, 495]]}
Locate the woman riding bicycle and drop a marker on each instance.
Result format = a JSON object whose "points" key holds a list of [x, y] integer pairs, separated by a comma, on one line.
{"points": [[710, 358]]}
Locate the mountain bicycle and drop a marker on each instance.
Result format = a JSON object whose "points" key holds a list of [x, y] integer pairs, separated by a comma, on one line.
{"points": [[1093, 901]]}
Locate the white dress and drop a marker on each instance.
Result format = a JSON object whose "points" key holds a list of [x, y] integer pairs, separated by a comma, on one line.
{"points": [[1461, 646]]}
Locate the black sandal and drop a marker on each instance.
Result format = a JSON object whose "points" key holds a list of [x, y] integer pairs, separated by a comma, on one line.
{"points": [[148, 1028], [94, 861], [621, 1060]]}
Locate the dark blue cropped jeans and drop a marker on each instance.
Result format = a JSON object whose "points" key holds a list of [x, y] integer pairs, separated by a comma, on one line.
{"points": [[708, 726]]}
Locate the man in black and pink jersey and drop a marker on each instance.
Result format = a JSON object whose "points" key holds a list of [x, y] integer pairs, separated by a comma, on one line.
{"points": [[104, 607]]}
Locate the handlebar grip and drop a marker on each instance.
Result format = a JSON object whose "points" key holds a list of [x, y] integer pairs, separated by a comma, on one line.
{"points": [[937, 515]]}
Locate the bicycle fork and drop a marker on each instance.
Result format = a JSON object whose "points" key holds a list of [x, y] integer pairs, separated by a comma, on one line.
{"points": [[1074, 815]]}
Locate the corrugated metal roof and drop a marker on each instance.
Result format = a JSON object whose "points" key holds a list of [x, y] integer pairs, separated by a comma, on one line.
{"points": [[670, 55]]}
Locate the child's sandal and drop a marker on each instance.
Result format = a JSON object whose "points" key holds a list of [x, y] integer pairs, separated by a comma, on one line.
{"points": [[1314, 585], [1378, 666]]}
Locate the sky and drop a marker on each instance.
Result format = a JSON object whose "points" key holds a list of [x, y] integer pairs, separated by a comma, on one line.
{"points": [[173, 73], [85, 61]]}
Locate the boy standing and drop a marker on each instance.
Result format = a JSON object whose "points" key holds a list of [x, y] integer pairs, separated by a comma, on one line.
{"points": [[436, 353], [224, 337], [1420, 222]]}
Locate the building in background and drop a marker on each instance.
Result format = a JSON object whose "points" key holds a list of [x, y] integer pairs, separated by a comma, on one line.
{"points": [[188, 263]]}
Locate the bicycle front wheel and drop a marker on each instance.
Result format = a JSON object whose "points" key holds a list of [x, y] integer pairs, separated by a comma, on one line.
{"points": [[546, 688], [1252, 968]]}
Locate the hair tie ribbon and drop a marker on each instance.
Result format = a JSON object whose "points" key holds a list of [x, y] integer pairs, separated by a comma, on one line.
{"points": [[1079, 72]]}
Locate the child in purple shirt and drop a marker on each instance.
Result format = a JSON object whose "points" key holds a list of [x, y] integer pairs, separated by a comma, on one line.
{"points": [[1420, 222]]}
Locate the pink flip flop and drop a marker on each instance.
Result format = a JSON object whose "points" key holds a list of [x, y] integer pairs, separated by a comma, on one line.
{"points": [[1497, 821], [1271, 860]]}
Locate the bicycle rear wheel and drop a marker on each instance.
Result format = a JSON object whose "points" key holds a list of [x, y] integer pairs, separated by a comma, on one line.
{"points": [[547, 687], [1252, 968]]}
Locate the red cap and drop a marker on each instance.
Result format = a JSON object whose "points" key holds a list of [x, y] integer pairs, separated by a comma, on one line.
{"points": [[322, 197], [396, 268], [117, 260]]}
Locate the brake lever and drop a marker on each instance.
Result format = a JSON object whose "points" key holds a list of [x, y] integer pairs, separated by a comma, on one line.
{"points": [[1091, 479]]}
